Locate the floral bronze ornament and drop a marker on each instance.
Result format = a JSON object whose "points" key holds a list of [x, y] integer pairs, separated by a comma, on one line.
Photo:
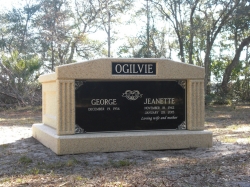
{"points": [[132, 95]]}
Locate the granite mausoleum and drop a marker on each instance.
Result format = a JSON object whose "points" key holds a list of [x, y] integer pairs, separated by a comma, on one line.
{"points": [[110, 104]]}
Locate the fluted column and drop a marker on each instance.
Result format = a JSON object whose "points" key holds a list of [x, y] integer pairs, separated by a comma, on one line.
{"points": [[66, 107], [195, 105]]}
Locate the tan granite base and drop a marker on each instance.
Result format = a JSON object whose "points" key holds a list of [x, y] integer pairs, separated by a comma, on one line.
{"points": [[120, 141]]}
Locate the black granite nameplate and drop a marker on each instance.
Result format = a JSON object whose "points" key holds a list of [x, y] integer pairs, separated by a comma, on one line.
{"points": [[133, 68], [130, 105]]}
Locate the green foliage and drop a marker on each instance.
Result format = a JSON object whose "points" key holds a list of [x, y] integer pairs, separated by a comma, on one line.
{"points": [[209, 99], [218, 69], [72, 162], [20, 72], [25, 160], [5, 145], [143, 47], [53, 166], [240, 90], [222, 100], [121, 163], [35, 171], [42, 34], [22, 66], [218, 99]]}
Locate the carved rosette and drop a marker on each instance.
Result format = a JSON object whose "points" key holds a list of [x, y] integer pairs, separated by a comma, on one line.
{"points": [[78, 84], [182, 126], [182, 83], [79, 130]]}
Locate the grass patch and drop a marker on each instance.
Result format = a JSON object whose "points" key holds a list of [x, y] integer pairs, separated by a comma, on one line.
{"points": [[233, 127], [5, 146], [248, 139], [80, 178], [44, 168], [229, 139], [72, 162], [18, 121], [21, 115], [30, 109], [25, 160], [53, 166], [35, 171], [121, 163], [4, 180], [19, 180]]}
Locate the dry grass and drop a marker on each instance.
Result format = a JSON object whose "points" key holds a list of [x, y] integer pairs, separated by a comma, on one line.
{"points": [[20, 116], [229, 125], [25, 162]]}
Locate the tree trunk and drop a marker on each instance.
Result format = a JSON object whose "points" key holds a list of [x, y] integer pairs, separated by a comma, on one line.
{"points": [[207, 62], [109, 38], [148, 37], [72, 51], [182, 50], [191, 44], [190, 55], [234, 63], [52, 57], [180, 39], [206, 81]]}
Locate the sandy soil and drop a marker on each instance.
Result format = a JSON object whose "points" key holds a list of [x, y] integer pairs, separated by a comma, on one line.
{"points": [[26, 162]]}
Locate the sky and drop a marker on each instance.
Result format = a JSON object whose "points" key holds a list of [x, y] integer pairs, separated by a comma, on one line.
{"points": [[122, 31], [101, 35], [7, 4]]}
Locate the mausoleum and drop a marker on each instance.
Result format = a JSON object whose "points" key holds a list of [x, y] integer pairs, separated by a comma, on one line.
{"points": [[110, 104]]}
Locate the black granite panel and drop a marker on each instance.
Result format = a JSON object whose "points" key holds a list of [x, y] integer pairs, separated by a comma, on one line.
{"points": [[130, 105]]}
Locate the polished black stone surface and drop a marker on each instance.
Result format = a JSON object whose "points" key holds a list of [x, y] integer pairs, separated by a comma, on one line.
{"points": [[130, 105]]}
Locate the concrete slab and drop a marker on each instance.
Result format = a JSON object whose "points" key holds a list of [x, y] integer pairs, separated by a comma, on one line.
{"points": [[120, 141]]}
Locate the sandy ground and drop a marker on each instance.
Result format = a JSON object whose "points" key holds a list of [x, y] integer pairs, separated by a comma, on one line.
{"points": [[26, 162]]}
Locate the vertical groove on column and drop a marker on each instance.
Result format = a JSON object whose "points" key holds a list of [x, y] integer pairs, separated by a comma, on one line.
{"points": [[43, 105], [72, 109], [60, 105], [44, 102], [197, 102], [66, 113], [63, 106], [202, 103], [66, 103], [68, 128], [193, 104]]}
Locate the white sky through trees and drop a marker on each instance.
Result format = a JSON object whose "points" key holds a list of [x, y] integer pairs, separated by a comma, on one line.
{"points": [[120, 31]]}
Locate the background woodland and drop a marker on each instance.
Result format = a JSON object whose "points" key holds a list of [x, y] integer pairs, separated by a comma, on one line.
{"points": [[38, 35]]}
